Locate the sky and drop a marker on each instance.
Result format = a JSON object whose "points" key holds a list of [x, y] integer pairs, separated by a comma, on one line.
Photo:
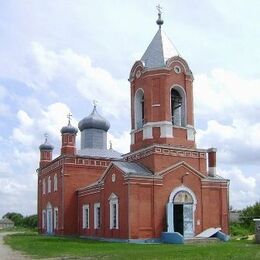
{"points": [[58, 56]]}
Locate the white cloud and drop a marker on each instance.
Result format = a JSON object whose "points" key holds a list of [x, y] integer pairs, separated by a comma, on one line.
{"points": [[75, 70], [120, 143], [243, 187]]}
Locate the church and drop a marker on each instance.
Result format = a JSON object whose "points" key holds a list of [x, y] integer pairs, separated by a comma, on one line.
{"points": [[164, 184]]}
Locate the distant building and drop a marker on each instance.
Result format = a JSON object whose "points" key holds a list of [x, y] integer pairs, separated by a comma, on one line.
{"points": [[165, 183], [234, 215], [6, 223]]}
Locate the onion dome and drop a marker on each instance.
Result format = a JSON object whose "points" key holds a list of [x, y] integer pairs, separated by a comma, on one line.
{"points": [[94, 120], [69, 129], [46, 146]]}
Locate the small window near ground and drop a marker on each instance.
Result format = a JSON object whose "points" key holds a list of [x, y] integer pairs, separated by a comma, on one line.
{"points": [[43, 219], [114, 209], [55, 218], [97, 215]]}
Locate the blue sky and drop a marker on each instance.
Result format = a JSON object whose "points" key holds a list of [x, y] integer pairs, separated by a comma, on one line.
{"points": [[57, 56]]}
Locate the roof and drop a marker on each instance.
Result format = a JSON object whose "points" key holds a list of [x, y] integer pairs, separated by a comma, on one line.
{"points": [[6, 221], [95, 152], [132, 168], [159, 51], [94, 120]]}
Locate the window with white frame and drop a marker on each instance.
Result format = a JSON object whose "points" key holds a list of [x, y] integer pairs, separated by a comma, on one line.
{"points": [[85, 217], [97, 216], [43, 186], [49, 184], [55, 218], [55, 182], [44, 219], [113, 203]]}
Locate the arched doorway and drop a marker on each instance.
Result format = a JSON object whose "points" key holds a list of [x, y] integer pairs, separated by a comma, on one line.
{"points": [[181, 208], [49, 219]]}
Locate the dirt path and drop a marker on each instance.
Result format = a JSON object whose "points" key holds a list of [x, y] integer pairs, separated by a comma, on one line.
{"points": [[6, 253]]}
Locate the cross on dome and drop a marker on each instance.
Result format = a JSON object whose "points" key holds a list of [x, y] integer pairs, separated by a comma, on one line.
{"points": [[69, 115], [46, 137]]}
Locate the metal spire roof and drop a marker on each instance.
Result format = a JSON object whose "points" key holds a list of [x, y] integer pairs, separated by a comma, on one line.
{"points": [[160, 49]]}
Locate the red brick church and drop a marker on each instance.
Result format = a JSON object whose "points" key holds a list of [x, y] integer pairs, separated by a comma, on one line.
{"points": [[164, 184]]}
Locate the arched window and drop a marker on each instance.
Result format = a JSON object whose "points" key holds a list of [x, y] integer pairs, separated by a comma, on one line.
{"points": [[55, 182], [139, 109], [43, 186], [49, 184], [114, 209], [178, 106], [183, 197]]}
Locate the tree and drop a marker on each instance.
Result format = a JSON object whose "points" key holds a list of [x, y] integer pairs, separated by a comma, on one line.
{"points": [[30, 221], [248, 214], [17, 218]]}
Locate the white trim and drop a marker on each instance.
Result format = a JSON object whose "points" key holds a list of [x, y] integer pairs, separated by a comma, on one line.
{"points": [[55, 182], [132, 137], [55, 218], [43, 218], [212, 171], [43, 186], [85, 216], [97, 222], [183, 188], [190, 133], [147, 132], [166, 131], [113, 211], [49, 184]]}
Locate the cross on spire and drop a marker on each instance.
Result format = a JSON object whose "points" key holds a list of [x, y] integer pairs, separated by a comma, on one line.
{"points": [[159, 20], [95, 102], [69, 115], [159, 8]]}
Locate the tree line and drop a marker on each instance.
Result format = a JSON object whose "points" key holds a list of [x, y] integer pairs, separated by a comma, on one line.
{"points": [[21, 221]]}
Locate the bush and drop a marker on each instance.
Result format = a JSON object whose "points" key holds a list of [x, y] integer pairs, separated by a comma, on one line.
{"points": [[248, 214], [238, 229]]}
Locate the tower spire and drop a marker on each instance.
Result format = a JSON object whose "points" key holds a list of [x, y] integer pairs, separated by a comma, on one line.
{"points": [[159, 20]]}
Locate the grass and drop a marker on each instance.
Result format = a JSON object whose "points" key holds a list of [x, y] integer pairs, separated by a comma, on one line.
{"points": [[40, 246], [16, 229]]}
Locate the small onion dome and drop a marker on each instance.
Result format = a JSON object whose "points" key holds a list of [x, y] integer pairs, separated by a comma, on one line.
{"points": [[94, 120], [69, 129], [46, 146]]}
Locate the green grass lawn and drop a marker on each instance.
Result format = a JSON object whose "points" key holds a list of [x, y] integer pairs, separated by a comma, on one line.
{"points": [[46, 246]]}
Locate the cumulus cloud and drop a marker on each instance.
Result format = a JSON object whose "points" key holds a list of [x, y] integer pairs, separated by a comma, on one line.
{"points": [[78, 74]]}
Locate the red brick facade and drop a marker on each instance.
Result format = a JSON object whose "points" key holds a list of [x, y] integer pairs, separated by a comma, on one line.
{"points": [[102, 197]]}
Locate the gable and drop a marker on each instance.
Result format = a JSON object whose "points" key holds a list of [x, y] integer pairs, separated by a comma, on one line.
{"points": [[179, 165]]}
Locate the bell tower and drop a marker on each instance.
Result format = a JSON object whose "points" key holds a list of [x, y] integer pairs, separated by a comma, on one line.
{"points": [[161, 96]]}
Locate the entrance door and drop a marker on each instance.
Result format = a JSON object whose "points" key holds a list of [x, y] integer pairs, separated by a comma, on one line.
{"points": [[49, 221], [178, 218], [183, 213]]}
